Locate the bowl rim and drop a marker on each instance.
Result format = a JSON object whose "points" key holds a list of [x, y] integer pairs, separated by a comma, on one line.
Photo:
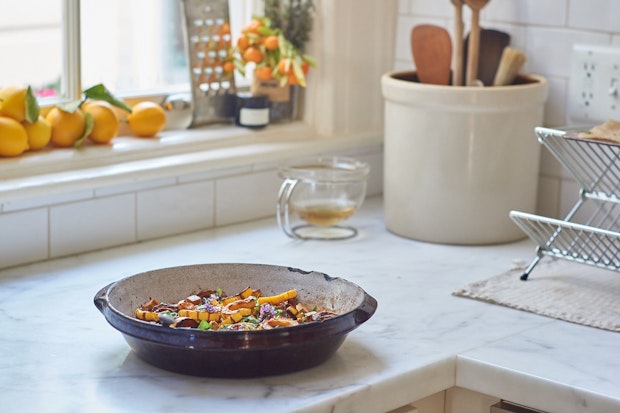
{"points": [[360, 314]]}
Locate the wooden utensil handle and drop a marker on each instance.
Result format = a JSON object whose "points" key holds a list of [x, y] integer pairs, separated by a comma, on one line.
{"points": [[473, 48], [457, 74]]}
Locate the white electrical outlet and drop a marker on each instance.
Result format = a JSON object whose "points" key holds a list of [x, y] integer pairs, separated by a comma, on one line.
{"points": [[594, 90]]}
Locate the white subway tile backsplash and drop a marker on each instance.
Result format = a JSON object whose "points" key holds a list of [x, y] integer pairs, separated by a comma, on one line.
{"points": [[569, 194], [88, 220], [29, 203], [247, 197], [94, 224], [555, 108], [548, 197], [431, 8], [23, 237], [403, 6], [175, 209], [597, 15], [375, 177], [549, 50], [403, 34], [549, 165], [212, 174], [133, 187], [527, 12]]}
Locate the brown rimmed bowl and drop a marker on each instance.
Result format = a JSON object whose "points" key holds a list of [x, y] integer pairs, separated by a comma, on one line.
{"points": [[235, 354]]}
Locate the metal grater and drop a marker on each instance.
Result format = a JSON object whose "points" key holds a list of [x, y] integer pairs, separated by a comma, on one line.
{"points": [[207, 44]]}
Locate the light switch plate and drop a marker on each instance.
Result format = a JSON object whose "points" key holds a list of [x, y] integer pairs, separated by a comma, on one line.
{"points": [[594, 89]]}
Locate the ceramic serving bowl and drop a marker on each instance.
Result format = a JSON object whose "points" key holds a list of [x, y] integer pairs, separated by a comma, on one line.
{"points": [[235, 354]]}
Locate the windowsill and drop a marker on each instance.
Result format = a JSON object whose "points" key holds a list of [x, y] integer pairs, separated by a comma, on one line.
{"points": [[173, 153]]}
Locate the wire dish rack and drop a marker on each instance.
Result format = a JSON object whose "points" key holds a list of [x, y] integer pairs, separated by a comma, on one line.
{"points": [[590, 232]]}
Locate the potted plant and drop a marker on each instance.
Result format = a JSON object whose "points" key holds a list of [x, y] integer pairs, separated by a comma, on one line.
{"points": [[273, 46]]}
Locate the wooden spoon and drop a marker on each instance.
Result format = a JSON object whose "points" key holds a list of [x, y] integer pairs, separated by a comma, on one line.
{"points": [[474, 38], [457, 72], [432, 53]]}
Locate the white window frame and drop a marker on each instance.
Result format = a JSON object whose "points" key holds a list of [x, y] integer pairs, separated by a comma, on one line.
{"points": [[342, 109], [72, 84]]}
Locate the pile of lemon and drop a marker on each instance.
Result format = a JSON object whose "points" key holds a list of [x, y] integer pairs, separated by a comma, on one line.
{"points": [[97, 118]]}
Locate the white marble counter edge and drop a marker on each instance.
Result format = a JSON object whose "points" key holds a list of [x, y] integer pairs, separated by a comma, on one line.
{"points": [[541, 393]]}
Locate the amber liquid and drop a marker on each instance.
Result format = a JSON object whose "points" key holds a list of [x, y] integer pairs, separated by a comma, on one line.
{"points": [[325, 214]]}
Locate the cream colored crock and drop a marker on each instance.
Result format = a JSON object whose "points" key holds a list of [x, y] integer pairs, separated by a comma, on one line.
{"points": [[459, 159]]}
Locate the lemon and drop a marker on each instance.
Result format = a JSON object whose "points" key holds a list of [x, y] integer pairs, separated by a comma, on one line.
{"points": [[105, 121], [146, 119], [39, 133], [13, 102], [13, 137], [67, 127]]}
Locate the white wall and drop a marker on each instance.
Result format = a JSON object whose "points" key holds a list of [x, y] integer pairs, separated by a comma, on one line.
{"points": [[545, 30]]}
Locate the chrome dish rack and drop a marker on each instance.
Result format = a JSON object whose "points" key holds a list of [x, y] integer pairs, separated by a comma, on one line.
{"points": [[590, 232]]}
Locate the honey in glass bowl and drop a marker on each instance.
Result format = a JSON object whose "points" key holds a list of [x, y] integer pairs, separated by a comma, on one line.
{"points": [[319, 194]]}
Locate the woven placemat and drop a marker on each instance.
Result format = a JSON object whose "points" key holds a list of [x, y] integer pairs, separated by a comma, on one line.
{"points": [[556, 288]]}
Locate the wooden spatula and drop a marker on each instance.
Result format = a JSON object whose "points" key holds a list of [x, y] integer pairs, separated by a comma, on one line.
{"points": [[474, 39], [432, 53]]}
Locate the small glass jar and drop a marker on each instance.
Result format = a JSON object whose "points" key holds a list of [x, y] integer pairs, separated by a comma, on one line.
{"points": [[319, 194], [252, 110]]}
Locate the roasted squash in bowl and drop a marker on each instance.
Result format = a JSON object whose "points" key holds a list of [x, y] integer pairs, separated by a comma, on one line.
{"points": [[235, 353]]}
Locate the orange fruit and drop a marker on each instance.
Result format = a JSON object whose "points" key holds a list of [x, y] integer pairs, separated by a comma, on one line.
{"points": [[253, 54], [285, 66], [264, 73], [271, 43], [13, 102], [146, 119], [13, 137], [105, 121], [67, 127], [292, 79], [305, 67], [228, 67], [253, 26], [39, 133], [242, 43], [224, 29]]}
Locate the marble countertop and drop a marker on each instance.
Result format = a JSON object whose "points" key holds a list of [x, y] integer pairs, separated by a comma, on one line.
{"points": [[59, 353]]}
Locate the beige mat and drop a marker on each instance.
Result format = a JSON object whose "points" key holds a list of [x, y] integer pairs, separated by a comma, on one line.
{"points": [[559, 289]]}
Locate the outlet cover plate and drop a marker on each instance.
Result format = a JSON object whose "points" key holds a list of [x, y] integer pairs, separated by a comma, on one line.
{"points": [[594, 89]]}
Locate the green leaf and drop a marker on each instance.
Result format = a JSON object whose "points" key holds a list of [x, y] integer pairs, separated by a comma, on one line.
{"points": [[310, 60], [265, 31], [100, 92], [70, 106], [239, 66], [32, 106], [87, 129]]}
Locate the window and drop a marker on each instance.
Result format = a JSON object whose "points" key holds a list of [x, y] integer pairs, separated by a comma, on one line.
{"points": [[31, 45], [134, 47]]}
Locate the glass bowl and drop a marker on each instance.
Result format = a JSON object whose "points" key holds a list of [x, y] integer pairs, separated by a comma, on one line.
{"points": [[319, 194]]}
